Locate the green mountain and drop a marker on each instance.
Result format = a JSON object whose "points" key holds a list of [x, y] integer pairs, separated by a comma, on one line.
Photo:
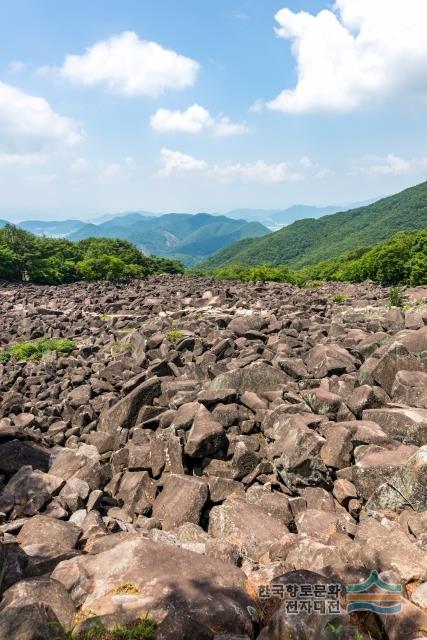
{"points": [[310, 241], [185, 236]]}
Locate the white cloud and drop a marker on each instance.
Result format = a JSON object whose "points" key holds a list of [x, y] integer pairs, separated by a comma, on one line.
{"points": [[131, 66], [79, 165], [259, 171], [391, 165], [359, 52], [28, 124], [16, 66], [175, 162], [195, 119]]}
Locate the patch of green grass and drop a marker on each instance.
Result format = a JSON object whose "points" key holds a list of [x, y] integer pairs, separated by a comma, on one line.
{"points": [[143, 629], [339, 298], [121, 347], [395, 297], [35, 349], [409, 306], [336, 629], [310, 284], [175, 335], [104, 316]]}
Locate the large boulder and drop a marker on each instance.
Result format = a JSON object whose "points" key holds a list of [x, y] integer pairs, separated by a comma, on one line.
{"points": [[161, 580], [377, 466], [206, 436], [407, 487], [329, 359], [246, 525], [124, 413], [406, 424], [182, 500], [50, 593], [257, 377]]}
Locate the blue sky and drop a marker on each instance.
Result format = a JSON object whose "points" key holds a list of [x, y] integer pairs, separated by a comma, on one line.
{"points": [[208, 105]]}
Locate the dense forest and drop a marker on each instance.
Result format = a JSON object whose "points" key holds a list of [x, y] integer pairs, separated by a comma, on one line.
{"points": [[400, 260], [24, 256], [310, 241]]}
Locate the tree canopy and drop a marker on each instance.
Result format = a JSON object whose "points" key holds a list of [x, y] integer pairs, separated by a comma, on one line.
{"points": [[24, 256]]}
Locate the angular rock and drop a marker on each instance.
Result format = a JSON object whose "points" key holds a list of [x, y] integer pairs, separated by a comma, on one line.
{"points": [[125, 412], [182, 500], [206, 436]]}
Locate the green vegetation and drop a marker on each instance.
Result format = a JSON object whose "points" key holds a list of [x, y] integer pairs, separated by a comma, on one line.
{"points": [[340, 298], [143, 629], [34, 349], [395, 297], [400, 260], [310, 241], [175, 335], [335, 628], [183, 236], [24, 256]]}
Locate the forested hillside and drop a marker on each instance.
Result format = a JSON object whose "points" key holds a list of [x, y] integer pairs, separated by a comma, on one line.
{"points": [[400, 260], [24, 256], [310, 241]]}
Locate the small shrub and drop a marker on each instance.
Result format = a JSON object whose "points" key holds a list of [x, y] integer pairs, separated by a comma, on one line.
{"points": [[35, 349], [335, 628], [395, 297], [309, 284], [339, 298], [175, 335]]}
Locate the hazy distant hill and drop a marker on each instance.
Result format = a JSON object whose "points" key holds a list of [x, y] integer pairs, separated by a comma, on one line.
{"points": [[54, 229], [274, 218], [309, 241], [189, 237]]}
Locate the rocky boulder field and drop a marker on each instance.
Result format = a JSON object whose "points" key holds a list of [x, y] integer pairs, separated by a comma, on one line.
{"points": [[206, 451]]}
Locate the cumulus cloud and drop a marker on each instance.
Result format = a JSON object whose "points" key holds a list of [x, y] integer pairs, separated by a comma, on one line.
{"points": [[131, 66], [359, 52], [195, 119], [28, 124], [391, 165], [175, 162]]}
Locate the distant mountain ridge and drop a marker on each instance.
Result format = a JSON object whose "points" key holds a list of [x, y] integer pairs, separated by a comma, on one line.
{"points": [[309, 241], [187, 237]]}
